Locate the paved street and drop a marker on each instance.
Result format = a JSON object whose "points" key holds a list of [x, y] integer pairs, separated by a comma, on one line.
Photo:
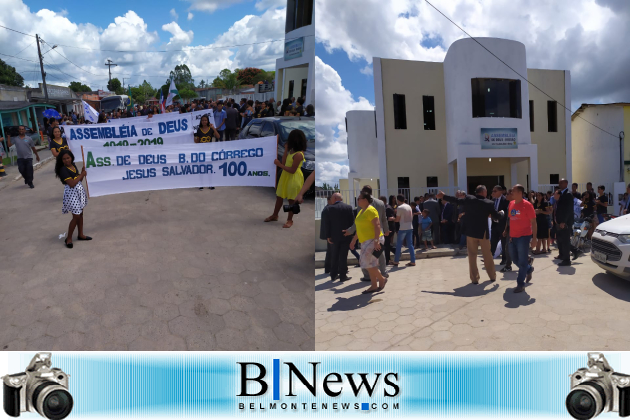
{"points": [[433, 306], [167, 270]]}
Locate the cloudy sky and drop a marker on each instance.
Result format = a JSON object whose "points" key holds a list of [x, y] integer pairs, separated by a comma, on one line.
{"points": [[194, 32], [587, 37]]}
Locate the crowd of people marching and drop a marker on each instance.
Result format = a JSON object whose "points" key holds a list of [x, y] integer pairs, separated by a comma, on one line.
{"points": [[512, 224]]}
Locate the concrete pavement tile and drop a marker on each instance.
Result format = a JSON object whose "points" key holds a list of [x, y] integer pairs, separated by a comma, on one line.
{"points": [[290, 333], [421, 344], [234, 340], [265, 318], [237, 320]]}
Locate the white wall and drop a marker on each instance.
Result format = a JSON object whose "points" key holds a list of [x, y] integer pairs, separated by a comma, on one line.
{"points": [[596, 154], [466, 60], [362, 147], [308, 57]]}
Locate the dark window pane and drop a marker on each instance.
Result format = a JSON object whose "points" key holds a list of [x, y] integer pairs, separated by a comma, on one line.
{"points": [[496, 98], [291, 84], [303, 89], [554, 179], [400, 112], [403, 186], [531, 116], [429, 112], [432, 181], [552, 116], [290, 20], [254, 130], [267, 130]]}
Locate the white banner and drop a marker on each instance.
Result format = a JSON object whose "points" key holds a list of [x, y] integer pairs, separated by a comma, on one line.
{"points": [[236, 163], [176, 131], [196, 117]]}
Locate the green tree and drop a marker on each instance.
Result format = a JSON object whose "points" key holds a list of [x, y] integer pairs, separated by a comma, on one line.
{"points": [[202, 84], [187, 93], [79, 87], [114, 85], [143, 92], [227, 80], [269, 76], [9, 76], [246, 75], [182, 77]]}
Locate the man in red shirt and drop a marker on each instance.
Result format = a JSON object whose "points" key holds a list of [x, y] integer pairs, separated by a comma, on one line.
{"points": [[522, 230]]}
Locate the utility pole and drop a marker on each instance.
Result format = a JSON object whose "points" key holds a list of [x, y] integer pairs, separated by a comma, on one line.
{"points": [[110, 64], [41, 66]]}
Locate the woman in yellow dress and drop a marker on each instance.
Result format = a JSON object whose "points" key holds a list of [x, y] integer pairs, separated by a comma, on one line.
{"points": [[291, 179]]}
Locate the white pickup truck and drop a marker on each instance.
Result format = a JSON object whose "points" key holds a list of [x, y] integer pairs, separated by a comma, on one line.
{"points": [[611, 246]]}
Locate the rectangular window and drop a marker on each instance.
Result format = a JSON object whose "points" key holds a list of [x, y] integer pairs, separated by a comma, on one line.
{"points": [[400, 112], [496, 98], [432, 182], [429, 112], [403, 186], [552, 116], [554, 179], [531, 116], [299, 13], [291, 84], [303, 89]]}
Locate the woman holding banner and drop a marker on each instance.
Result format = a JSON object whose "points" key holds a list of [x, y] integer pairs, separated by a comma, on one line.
{"points": [[74, 197], [291, 179], [206, 133]]}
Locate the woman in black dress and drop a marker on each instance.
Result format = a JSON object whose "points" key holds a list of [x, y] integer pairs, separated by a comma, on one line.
{"points": [[542, 208], [58, 142], [74, 197], [206, 133]]}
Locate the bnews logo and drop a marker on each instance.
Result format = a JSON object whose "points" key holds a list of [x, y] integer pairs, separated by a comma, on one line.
{"points": [[333, 384]]}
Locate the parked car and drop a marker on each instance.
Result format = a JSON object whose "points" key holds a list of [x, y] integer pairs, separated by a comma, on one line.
{"points": [[610, 246], [264, 127], [12, 130]]}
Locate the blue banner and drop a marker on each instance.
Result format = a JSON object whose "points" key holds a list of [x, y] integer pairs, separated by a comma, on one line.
{"points": [[317, 384]]}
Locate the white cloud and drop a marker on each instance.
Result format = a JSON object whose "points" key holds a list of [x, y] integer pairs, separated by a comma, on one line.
{"points": [[268, 4], [367, 70], [333, 101], [190, 15], [180, 38], [211, 6], [330, 172], [174, 14], [130, 32]]}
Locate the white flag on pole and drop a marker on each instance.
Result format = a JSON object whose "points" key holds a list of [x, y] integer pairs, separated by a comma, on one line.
{"points": [[172, 92], [89, 113]]}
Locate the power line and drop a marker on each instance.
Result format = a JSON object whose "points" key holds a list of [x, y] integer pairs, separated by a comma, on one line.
{"points": [[523, 77], [71, 61], [19, 58], [22, 50], [14, 30], [167, 51]]}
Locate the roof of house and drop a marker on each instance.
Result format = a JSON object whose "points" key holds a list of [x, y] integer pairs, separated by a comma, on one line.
{"points": [[584, 106]]}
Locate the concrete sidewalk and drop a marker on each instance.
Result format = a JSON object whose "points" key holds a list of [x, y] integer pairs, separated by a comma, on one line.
{"points": [[183, 269], [433, 306], [441, 251]]}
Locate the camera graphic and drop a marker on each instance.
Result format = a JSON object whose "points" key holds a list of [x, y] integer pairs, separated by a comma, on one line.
{"points": [[598, 389], [40, 389]]}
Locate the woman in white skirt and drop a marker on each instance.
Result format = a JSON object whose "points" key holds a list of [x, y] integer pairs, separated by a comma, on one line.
{"points": [[74, 197], [369, 234]]}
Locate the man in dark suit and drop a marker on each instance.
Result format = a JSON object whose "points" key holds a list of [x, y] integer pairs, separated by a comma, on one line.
{"points": [[477, 209], [498, 227], [336, 217], [564, 220], [448, 210], [322, 235]]}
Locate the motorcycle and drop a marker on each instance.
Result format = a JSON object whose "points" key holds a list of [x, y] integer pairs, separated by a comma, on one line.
{"points": [[581, 228]]}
